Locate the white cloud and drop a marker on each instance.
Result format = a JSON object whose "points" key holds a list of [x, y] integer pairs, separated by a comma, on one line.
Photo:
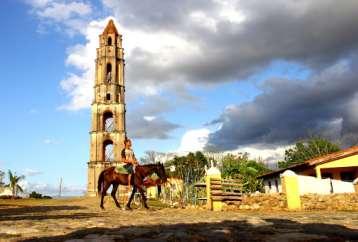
{"points": [[201, 18], [38, 3], [50, 141], [149, 118], [268, 155], [194, 140], [230, 12], [69, 16], [52, 190], [227, 11], [62, 11], [79, 87], [31, 172]]}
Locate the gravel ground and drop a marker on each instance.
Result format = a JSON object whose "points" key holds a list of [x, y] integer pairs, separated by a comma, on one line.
{"points": [[80, 219]]}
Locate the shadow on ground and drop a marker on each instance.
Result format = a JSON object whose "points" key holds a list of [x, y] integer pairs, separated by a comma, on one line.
{"points": [[27, 212], [263, 230]]}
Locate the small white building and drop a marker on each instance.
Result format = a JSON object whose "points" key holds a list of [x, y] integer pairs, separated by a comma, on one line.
{"points": [[333, 173], [6, 191]]}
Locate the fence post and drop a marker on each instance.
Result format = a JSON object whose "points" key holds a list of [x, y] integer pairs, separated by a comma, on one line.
{"points": [[291, 189], [355, 184], [213, 172]]}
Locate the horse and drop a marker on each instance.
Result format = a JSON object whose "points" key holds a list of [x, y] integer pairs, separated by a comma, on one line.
{"points": [[110, 177]]}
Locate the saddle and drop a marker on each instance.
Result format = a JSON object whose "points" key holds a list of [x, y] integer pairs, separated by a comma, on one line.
{"points": [[120, 169]]}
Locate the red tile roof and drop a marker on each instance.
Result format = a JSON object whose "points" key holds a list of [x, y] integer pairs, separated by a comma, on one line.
{"points": [[317, 161], [333, 156]]}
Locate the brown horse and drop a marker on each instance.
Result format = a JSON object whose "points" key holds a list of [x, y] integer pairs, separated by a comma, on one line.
{"points": [[110, 177]]}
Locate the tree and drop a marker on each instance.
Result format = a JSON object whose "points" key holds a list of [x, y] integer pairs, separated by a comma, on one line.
{"points": [[245, 169], [305, 150], [14, 183], [190, 168], [150, 157], [2, 174]]}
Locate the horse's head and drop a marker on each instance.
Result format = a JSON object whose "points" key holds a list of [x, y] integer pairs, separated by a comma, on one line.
{"points": [[160, 170]]}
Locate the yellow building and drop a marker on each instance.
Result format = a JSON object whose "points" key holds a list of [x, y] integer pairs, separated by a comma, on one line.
{"points": [[108, 128], [341, 165]]}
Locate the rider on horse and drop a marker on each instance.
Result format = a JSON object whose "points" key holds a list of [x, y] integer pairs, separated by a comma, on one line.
{"points": [[130, 160]]}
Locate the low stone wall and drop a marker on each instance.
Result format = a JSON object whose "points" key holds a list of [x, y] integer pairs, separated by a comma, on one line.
{"points": [[260, 202], [272, 202], [345, 201]]}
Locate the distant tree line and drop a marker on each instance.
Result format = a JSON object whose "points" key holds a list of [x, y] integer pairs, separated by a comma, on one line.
{"points": [[306, 150]]}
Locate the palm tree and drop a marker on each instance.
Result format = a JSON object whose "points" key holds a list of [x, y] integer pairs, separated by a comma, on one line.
{"points": [[14, 183], [2, 174]]}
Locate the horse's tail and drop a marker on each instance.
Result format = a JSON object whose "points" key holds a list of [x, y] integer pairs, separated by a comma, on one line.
{"points": [[100, 182], [159, 187]]}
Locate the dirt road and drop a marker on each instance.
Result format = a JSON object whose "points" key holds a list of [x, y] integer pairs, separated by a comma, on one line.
{"points": [[81, 219]]}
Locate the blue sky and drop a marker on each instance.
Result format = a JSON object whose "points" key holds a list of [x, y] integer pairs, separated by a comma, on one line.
{"points": [[226, 67]]}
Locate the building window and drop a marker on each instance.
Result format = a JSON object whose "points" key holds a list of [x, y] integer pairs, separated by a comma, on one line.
{"points": [[327, 175], [108, 97], [109, 73], [109, 67], [108, 150], [108, 122], [347, 176], [109, 41]]}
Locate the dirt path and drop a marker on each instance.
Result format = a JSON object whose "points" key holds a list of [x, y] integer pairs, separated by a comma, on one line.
{"points": [[81, 220]]}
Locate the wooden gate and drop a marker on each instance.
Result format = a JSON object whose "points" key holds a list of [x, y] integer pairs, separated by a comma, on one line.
{"points": [[225, 190]]}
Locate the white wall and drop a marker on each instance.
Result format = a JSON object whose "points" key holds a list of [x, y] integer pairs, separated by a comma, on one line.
{"points": [[308, 184], [342, 187]]}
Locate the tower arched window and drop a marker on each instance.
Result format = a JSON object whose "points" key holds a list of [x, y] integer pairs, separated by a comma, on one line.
{"points": [[109, 41], [108, 121], [109, 72], [109, 67], [108, 151]]}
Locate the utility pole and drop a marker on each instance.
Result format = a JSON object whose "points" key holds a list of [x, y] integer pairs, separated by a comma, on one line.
{"points": [[60, 188]]}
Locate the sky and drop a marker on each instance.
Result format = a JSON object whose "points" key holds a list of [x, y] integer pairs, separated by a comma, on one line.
{"points": [[213, 75]]}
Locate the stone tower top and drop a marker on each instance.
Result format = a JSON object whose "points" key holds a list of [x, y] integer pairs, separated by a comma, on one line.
{"points": [[110, 28]]}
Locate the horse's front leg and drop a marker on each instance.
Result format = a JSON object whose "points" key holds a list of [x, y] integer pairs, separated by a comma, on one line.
{"points": [[134, 190], [144, 198]]}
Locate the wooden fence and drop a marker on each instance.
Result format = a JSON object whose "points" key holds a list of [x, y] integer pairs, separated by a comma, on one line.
{"points": [[226, 190]]}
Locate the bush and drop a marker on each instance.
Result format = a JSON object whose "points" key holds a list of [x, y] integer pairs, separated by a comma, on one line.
{"points": [[9, 197], [38, 196]]}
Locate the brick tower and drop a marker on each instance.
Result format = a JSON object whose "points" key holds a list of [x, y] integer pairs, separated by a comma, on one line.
{"points": [[108, 128]]}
